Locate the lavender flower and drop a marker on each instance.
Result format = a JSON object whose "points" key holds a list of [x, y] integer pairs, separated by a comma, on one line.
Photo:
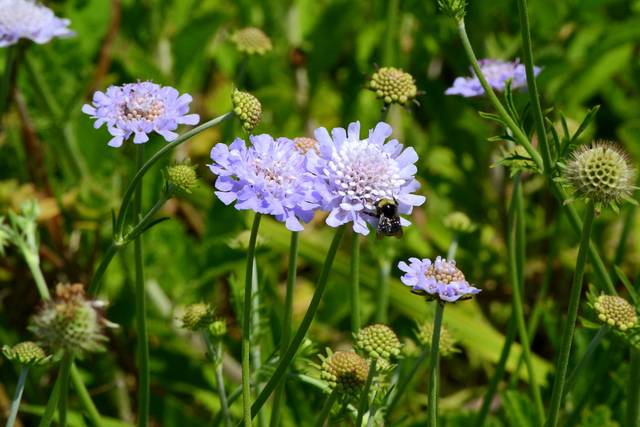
{"points": [[352, 174], [497, 73], [29, 20], [440, 279], [268, 177], [139, 109]]}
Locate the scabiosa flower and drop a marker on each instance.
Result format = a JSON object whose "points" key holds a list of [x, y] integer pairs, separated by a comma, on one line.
{"points": [[447, 344], [437, 280], [353, 174], [459, 222], [345, 372], [252, 41], [29, 20], [268, 177], [248, 108], [139, 109], [497, 73], [377, 341], [304, 144], [393, 85], [182, 176], [198, 316], [616, 312], [26, 353]]}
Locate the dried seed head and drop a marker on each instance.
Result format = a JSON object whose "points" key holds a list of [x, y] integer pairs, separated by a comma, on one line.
{"points": [[26, 353], [182, 176], [393, 85], [247, 108], [377, 342], [447, 341], [616, 312], [198, 316], [345, 371], [459, 222], [304, 144], [252, 41], [602, 173]]}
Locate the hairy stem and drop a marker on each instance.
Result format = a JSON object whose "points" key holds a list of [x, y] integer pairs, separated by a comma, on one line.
{"points": [[364, 396], [355, 282], [65, 372], [434, 361]]}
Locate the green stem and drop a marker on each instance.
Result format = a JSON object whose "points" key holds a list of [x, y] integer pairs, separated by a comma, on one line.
{"points": [[222, 394], [403, 384], [85, 398], [52, 403], [286, 322], [624, 235], [533, 86], [364, 396], [390, 33], [572, 314], [285, 361], [11, 54], [246, 323], [140, 302], [17, 397], [516, 248], [633, 395], [586, 358], [453, 248], [33, 262], [133, 184], [65, 372], [326, 409], [384, 275], [355, 282], [434, 361]]}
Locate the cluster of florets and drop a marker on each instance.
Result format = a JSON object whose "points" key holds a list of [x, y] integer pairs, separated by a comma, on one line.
{"points": [[393, 85], [601, 172], [26, 19], [345, 371], [440, 279], [26, 353], [377, 341], [616, 312], [247, 108], [304, 144], [182, 176], [71, 322], [198, 316], [252, 41], [447, 344], [459, 222]]}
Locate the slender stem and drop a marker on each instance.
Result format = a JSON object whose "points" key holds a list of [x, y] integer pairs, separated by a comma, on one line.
{"points": [[128, 194], [85, 398], [384, 275], [453, 248], [633, 394], [256, 358], [586, 358], [141, 311], [434, 360], [280, 370], [326, 409], [33, 262], [533, 86], [520, 137], [499, 372], [286, 322], [222, 394], [246, 323], [517, 280], [390, 33], [355, 282], [17, 397], [235, 394], [628, 223], [403, 384], [11, 54], [65, 372], [572, 314], [364, 396], [52, 403]]}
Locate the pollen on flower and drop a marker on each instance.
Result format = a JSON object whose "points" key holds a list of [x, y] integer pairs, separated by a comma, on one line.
{"points": [[304, 144], [27, 19]]}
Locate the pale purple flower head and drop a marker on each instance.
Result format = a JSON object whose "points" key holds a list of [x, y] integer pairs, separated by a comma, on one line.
{"points": [[440, 279], [497, 73], [27, 19], [267, 177], [353, 174], [139, 109]]}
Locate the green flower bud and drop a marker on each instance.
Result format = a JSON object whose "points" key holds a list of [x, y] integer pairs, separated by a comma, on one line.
{"points": [[378, 341], [182, 176], [459, 222], [252, 41], [447, 341], [615, 312], [247, 108], [218, 329], [198, 316], [26, 353], [393, 85], [602, 173], [345, 372], [304, 144], [453, 8]]}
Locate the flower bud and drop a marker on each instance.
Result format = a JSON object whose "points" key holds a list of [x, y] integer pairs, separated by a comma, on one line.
{"points": [[393, 85], [252, 41], [453, 8], [218, 329], [247, 108], [26, 353], [377, 341], [459, 222], [182, 176], [198, 316], [345, 371], [447, 344], [616, 312]]}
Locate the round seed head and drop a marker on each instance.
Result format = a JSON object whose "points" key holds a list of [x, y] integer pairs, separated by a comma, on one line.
{"points": [[252, 41], [447, 341], [303, 144], [182, 176], [378, 342], [26, 353], [247, 108], [459, 222], [616, 312], [601, 172], [393, 85], [198, 316], [345, 371]]}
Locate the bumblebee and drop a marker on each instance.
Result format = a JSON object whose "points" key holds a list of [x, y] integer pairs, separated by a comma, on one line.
{"points": [[388, 218]]}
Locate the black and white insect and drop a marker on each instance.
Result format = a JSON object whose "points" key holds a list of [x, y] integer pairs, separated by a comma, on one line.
{"points": [[388, 218]]}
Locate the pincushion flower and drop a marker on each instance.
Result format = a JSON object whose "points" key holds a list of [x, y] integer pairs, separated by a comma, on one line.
{"points": [[267, 177], [497, 73], [353, 174], [139, 109], [440, 279], [29, 20]]}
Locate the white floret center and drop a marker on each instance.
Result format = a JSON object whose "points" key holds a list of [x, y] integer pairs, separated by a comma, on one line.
{"points": [[22, 16], [141, 107]]}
